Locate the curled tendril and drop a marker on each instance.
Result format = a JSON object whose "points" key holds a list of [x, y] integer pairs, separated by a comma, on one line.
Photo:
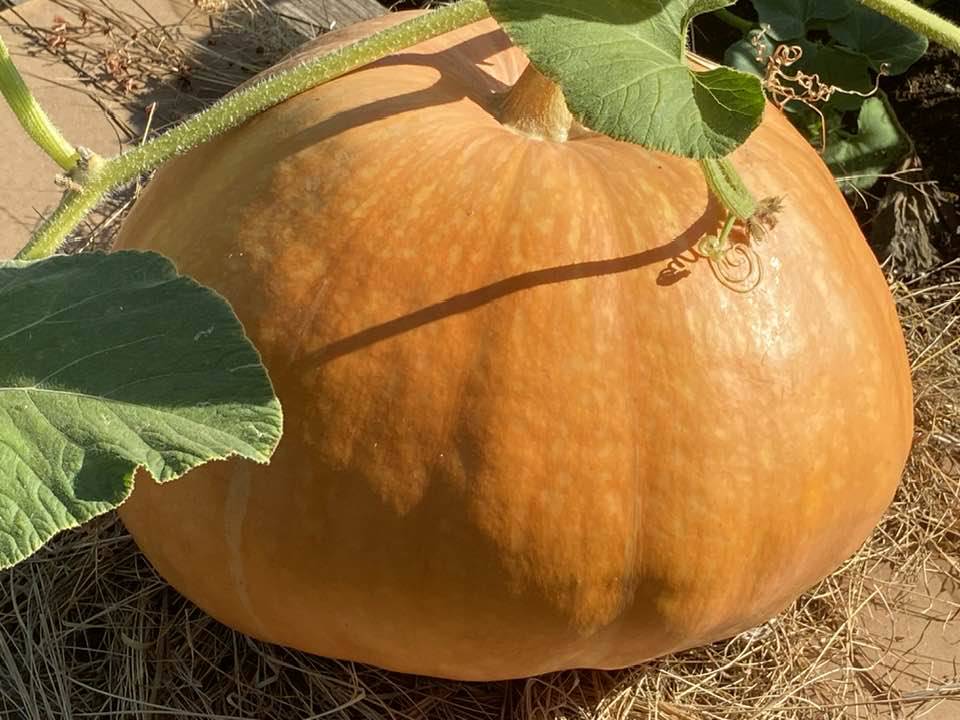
{"points": [[735, 265], [810, 90], [731, 255], [738, 268]]}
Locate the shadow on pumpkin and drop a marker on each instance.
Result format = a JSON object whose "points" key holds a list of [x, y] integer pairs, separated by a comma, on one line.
{"points": [[459, 69], [474, 299], [467, 72]]}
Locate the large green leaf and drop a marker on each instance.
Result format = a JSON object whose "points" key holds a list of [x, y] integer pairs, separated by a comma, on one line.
{"points": [[883, 41], [622, 67], [789, 19], [107, 363], [858, 159]]}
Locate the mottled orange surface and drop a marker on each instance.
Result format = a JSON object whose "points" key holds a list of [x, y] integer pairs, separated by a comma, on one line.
{"points": [[513, 442]]}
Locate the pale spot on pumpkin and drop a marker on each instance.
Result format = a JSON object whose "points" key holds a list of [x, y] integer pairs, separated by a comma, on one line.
{"points": [[686, 392], [764, 457], [258, 253], [850, 341], [613, 507], [839, 416], [868, 403], [363, 173], [820, 284], [348, 206], [544, 226]]}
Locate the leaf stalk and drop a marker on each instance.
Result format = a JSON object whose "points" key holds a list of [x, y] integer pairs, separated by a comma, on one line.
{"points": [[728, 187], [31, 116]]}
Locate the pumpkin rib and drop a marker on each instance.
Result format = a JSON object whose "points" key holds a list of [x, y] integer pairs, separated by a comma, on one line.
{"points": [[236, 506]]}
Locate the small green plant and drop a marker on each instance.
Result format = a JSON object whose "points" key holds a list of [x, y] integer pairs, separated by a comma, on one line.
{"points": [[822, 62], [109, 363]]}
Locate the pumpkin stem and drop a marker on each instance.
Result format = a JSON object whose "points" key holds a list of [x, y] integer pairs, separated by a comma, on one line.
{"points": [[535, 107]]}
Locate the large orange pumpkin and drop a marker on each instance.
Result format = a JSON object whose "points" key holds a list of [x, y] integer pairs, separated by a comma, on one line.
{"points": [[526, 428]]}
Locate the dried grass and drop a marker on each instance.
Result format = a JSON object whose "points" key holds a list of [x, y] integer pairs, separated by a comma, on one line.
{"points": [[88, 630]]}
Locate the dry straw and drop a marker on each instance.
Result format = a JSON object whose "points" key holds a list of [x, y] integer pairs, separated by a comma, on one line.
{"points": [[87, 629]]}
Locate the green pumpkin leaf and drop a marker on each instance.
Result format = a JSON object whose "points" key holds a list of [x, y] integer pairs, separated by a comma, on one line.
{"points": [[107, 363], [742, 55], [789, 19], [623, 70], [858, 159], [811, 124], [883, 41]]}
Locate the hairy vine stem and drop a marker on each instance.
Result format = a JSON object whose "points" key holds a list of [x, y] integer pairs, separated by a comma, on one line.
{"points": [[233, 111], [31, 116], [733, 20], [918, 19]]}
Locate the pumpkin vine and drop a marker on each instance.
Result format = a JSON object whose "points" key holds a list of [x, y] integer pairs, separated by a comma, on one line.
{"points": [[718, 93]]}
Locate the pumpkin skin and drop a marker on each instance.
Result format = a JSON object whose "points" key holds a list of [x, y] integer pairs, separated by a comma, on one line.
{"points": [[510, 447]]}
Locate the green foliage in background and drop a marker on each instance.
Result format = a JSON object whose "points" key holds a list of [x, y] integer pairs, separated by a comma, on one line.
{"points": [[845, 45]]}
